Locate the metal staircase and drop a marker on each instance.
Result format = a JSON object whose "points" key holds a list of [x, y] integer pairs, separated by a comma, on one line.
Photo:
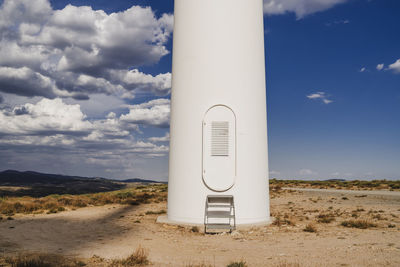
{"points": [[219, 213]]}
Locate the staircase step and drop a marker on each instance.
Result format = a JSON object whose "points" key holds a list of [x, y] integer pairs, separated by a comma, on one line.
{"points": [[219, 226], [219, 214], [219, 205]]}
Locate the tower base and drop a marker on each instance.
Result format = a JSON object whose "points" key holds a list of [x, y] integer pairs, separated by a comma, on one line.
{"points": [[163, 219]]}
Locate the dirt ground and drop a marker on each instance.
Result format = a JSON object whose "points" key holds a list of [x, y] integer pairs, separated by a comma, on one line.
{"points": [[115, 231]]}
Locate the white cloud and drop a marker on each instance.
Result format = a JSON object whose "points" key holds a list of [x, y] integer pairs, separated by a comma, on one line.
{"points": [[307, 172], [395, 67], [24, 81], [46, 116], [164, 138], [380, 66], [155, 113], [320, 95], [134, 80], [301, 8], [53, 123], [75, 50], [363, 69]]}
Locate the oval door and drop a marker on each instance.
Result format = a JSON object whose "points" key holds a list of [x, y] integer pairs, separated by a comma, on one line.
{"points": [[219, 148]]}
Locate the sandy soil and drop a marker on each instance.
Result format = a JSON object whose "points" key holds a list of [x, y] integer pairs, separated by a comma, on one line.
{"points": [[115, 231]]}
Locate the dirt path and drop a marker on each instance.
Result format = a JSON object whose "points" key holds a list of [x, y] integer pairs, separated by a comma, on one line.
{"points": [[114, 231]]}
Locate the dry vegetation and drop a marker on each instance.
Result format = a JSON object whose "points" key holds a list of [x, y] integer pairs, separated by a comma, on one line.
{"points": [[338, 184], [361, 224], [138, 258], [136, 195]]}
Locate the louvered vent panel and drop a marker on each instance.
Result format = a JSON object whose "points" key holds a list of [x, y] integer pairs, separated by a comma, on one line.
{"points": [[220, 138]]}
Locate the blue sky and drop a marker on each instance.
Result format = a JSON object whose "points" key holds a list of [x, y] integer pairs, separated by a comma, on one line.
{"points": [[68, 106]]}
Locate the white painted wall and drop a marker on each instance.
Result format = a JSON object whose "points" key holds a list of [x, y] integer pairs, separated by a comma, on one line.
{"points": [[218, 59]]}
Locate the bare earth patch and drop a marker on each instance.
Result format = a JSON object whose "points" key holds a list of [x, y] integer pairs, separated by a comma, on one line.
{"points": [[112, 232]]}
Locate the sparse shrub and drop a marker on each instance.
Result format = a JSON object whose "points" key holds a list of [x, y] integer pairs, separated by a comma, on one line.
{"points": [[54, 210], [150, 212], [125, 195], [138, 258], [345, 198], [279, 222], [133, 202], [378, 217], [310, 228], [56, 203], [10, 218], [241, 263], [195, 229], [361, 224], [391, 225], [325, 218], [41, 260]]}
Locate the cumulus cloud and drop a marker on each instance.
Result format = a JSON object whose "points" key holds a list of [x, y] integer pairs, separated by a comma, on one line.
{"points": [[320, 96], [164, 138], [54, 116], [380, 66], [55, 125], [395, 67], [363, 69], [46, 117], [301, 8], [77, 51], [134, 80], [155, 113]]}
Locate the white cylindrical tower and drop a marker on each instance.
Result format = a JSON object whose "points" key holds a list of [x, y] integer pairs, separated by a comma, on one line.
{"points": [[218, 138]]}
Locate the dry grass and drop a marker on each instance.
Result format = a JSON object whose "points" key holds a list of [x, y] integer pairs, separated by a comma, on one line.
{"points": [[150, 212], [241, 263], [195, 229], [325, 218], [351, 185], [310, 228], [57, 203], [361, 224], [138, 258], [40, 260], [285, 221]]}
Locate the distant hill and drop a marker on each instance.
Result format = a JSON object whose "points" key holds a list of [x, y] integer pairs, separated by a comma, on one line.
{"points": [[41, 184], [137, 180], [28, 178]]}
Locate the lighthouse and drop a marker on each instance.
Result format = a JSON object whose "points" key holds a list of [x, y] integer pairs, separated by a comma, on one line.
{"points": [[218, 130]]}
